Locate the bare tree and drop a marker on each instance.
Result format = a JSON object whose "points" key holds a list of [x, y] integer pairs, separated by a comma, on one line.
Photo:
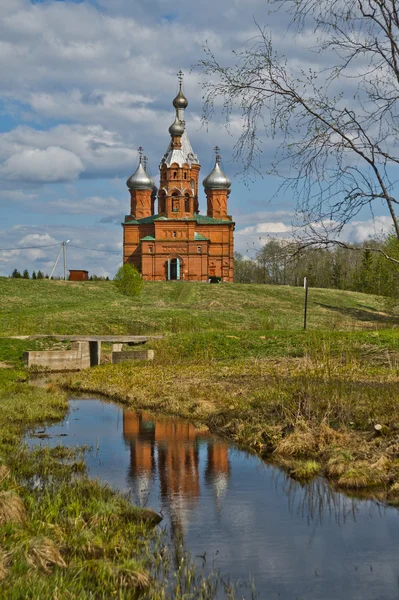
{"points": [[337, 124]]}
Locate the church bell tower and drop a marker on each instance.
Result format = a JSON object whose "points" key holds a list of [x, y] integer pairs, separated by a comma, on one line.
{"points": [[177, 242], [179, 168]]}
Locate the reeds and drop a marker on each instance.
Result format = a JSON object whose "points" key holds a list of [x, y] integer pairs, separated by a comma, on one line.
{"points": [[43, 553], [12, 509]]}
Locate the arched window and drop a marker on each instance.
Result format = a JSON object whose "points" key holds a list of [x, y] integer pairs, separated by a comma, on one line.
{"points": [[186, 202], [185, 175], [162, 201], [175, 202], [175, 175]]}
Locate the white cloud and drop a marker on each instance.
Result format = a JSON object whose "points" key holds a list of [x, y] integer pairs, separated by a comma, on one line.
{"points": [[252, 238], [105, 72], [97, 248], [268, 228], [94, 205], [49, 165], [361, 231], [34, 155], [8, 196], [255, 217]]}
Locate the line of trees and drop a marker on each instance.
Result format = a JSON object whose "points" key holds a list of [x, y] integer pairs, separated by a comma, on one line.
{"points": [[25, 274], [332, 106], [360, 269], [39, 275]]}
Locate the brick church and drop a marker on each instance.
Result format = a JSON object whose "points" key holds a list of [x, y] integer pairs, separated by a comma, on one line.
{"points": [[177, 242]]}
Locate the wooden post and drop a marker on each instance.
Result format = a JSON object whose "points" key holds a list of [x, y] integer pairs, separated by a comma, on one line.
{"points": [[305, 285]]}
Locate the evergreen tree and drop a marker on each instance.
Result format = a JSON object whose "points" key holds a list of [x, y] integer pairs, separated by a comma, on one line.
{"points": [[16, 274], [40, 274], [25, 274], [365, 274], [33, 274]]}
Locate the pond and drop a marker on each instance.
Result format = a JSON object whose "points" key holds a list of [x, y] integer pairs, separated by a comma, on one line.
{"points": [[234, 511]]}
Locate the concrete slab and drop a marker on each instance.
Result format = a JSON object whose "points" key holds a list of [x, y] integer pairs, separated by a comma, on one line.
{"points": [[75, 359], [132, 355], [113, 339]]}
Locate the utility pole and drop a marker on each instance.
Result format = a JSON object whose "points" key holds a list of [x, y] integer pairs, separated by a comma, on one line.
{"points": [[305, 315], [63, 250], [64, 247]]}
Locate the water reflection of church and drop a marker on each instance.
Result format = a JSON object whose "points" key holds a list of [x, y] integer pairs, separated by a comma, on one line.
{"points": [[170, 451]]}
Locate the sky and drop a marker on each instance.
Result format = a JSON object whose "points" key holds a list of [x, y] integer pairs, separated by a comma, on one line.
{"points": [[83, 84]]}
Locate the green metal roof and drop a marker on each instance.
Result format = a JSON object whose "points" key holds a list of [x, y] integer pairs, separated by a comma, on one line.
{"points": [[199, 237], [200, 219], [148, 238], [205, 220]]}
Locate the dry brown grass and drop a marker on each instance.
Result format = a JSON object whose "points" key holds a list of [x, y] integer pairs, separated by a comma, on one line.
{"points": [[3, 565], [12, 509], [4, 473], [393, 494], [133, 578], [128, 574], [43, 553], [337, 466], [301, 470], [301, 442], [361, 475]]}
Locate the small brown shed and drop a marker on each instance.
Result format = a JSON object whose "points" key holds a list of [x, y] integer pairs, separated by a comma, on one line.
{"points": [[78, 275]]}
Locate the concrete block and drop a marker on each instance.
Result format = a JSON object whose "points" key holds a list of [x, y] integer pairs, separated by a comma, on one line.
{"points": [[117, 347], [53, 360], [130, 355]]}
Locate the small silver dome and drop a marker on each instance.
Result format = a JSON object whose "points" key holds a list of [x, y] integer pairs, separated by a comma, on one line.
{"points": [[217, 180], [140, 180], [154, 187], [180, 101], [177, 128]]}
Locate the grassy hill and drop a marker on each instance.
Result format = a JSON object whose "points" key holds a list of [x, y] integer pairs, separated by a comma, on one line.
{"points": [[29, 307]]}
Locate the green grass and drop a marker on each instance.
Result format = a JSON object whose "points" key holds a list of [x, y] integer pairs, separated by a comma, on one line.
{"points": [[43, 306], [62, 535], [235, 359]]}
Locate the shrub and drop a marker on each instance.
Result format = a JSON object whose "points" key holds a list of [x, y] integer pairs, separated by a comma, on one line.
{"points": [[128, 280]]}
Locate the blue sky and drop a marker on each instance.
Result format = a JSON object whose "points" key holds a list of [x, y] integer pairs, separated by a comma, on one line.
{"points": [[83, 85]]}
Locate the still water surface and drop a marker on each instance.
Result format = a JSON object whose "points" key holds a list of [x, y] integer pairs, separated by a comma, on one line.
{"points": [[296, 542]]}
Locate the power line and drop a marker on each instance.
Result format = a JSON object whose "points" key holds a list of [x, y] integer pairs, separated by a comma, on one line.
{"points": [[28, 247], [52, 246], [96, 249]]}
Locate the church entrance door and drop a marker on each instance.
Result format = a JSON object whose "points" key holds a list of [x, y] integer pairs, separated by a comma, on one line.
{"points": [[174, 269]]}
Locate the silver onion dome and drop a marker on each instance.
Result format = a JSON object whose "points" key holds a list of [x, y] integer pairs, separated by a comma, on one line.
{"points": [[140, 180], [145, 163], [180, 101], [177, 127], [217, 180]]}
